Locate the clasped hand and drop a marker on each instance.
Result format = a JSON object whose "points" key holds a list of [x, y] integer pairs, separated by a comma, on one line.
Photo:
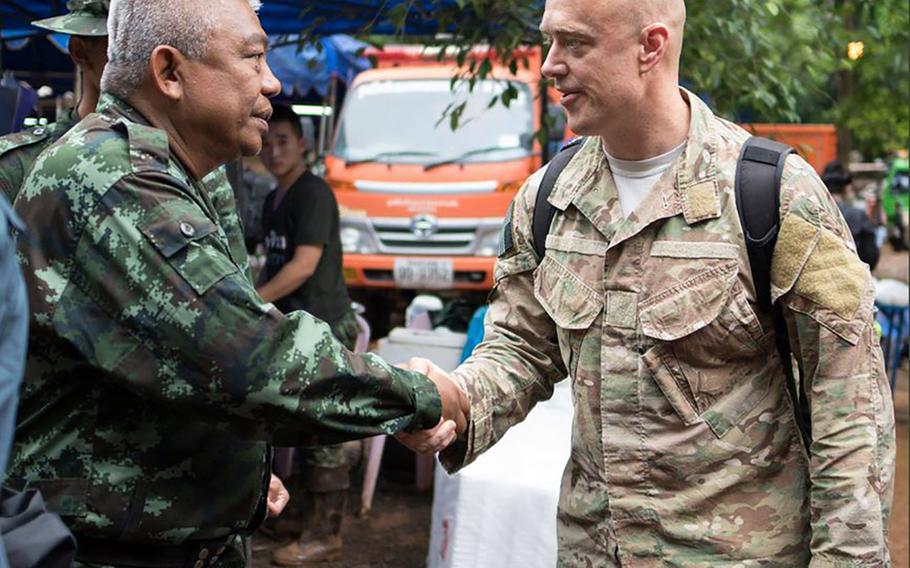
{"points": [[456, 411]]}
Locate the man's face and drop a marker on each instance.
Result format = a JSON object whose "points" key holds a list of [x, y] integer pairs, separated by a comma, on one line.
{"points": [[592, 60], [226, 95], [282, 148]]}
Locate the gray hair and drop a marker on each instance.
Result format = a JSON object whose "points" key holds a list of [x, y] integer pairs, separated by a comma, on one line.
{"points": [[136, 27]]}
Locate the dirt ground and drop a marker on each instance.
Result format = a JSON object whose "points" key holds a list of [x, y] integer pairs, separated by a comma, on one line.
{"points": [[397, 531], [396, 534]]}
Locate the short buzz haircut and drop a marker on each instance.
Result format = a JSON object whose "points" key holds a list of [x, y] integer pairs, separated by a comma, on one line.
{"points": [[283, 113], [136, 27]]}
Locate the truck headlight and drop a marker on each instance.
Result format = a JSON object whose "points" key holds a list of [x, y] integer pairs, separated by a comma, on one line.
{"points": [[488, 245], [357, 240]]}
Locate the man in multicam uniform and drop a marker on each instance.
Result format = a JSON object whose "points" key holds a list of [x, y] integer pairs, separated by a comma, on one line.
{"points": [[156, 376], [685, 451]]}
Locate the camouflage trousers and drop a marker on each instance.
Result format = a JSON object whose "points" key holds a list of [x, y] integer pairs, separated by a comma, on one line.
{"points": [[325, 468]]}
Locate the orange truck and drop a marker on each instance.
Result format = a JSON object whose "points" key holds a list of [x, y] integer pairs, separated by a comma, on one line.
{"points": [[422, 206], [817, 143]]}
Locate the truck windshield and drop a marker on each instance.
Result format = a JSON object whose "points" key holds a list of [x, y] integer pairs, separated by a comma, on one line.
{"points": [[398, 121]]}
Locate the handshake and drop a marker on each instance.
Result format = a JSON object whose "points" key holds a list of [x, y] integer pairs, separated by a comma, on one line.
{"points": [[456, 411]]}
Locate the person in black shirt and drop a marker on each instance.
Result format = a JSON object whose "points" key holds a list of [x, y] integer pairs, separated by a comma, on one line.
{"points": [[303, 272]]}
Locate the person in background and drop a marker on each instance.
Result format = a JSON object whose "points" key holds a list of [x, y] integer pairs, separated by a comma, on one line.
{"points": [[86, 26], [300, 225], [839, 182]]}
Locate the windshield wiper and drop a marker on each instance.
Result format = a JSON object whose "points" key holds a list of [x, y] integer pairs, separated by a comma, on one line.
{"points": [[466, 155], [389, 154]]}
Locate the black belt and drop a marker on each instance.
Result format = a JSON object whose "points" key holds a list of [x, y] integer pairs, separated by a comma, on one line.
{"points": [[190, 554]]}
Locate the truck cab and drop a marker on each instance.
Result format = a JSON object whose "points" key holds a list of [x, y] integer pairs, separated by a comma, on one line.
{"points": [[422, 206]]}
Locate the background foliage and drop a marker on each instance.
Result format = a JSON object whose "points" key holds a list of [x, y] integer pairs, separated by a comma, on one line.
{"points": [[752, 60]]}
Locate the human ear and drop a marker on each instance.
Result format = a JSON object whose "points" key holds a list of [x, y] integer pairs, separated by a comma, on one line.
{"points": [[79, 52], [654, 40], [166, 65]]}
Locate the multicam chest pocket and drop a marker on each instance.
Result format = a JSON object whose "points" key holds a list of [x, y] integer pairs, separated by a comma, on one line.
{"points": [[568, 283], [707, 340], [189, 243]]}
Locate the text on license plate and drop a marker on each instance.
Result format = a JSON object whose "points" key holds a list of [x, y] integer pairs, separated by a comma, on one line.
{"points": [[420, 273]]}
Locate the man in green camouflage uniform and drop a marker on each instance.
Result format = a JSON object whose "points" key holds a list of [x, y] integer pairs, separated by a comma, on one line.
{"points": [[86, 25], [685, 450], [156, 376]]}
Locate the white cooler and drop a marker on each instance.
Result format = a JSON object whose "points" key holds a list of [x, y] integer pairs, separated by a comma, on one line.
{"points": [[500, 511], [439, 345]]}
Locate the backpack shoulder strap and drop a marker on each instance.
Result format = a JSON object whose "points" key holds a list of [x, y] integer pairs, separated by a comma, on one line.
{"points": [[757, 188], [543, 211]]}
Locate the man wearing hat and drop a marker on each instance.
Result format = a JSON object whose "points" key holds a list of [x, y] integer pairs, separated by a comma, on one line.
{"points": [[86, 24]]}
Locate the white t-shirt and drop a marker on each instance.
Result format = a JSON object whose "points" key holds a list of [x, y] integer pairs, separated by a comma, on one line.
{"points": [[634, 179]]}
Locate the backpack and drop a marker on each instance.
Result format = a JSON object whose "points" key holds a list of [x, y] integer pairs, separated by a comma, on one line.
{"points": [[757, 189]]}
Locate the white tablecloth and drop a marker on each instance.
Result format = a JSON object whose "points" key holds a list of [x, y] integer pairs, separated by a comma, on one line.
{"points": [[500, 512]]}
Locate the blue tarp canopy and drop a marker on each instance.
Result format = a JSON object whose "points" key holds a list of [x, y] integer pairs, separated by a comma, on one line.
{"points": [[304, 68], [324, 17], [42, 58]]}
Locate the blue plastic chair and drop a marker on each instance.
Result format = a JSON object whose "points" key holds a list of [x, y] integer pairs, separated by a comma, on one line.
{"points": [[895, 323]]}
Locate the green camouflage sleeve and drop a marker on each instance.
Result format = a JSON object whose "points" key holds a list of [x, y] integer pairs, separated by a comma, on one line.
{"points": [[828, 297], [518, 361], [155, 301]]}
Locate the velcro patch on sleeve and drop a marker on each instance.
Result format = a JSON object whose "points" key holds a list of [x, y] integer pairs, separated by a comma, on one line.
{"points": [[817, 265], [795, 242]]}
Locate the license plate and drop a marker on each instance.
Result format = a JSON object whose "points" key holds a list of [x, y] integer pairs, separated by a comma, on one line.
{"points": [[419, 273]]}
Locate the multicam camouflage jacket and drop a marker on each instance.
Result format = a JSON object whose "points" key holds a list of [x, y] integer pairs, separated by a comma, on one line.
{"points": [[684, 448], [155, 373], [18, 151]]}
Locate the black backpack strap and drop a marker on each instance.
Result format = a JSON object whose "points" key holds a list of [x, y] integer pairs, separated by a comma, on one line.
{"points": [[757, 187], [543, 211]]}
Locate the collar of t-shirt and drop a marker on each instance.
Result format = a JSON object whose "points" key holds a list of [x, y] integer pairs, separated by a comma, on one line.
{"points": [[635, 178]]}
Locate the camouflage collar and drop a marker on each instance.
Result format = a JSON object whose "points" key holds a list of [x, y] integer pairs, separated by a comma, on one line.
{"points": [[696, 179], [696, 171], [149, 146], [114, 107], [584, 166]]}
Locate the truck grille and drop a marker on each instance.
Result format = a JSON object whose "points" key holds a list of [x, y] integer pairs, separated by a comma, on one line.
{"points": [[447, 236]]}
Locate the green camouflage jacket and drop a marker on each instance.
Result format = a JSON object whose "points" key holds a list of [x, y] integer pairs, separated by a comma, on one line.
{"points": [[684, 448], [155, 373], [18, 151]]}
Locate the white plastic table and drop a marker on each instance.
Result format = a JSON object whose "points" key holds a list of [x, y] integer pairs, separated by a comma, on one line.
{"points": [[500, 511]]}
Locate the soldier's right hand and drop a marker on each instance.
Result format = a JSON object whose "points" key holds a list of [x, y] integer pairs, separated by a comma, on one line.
{"points": [[455, 405], [456, 410]]}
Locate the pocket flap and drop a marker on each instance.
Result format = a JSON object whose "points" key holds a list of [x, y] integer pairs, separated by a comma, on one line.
{"points": [[570, 302], [689, 306], [177, 230], [172, 231]]}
